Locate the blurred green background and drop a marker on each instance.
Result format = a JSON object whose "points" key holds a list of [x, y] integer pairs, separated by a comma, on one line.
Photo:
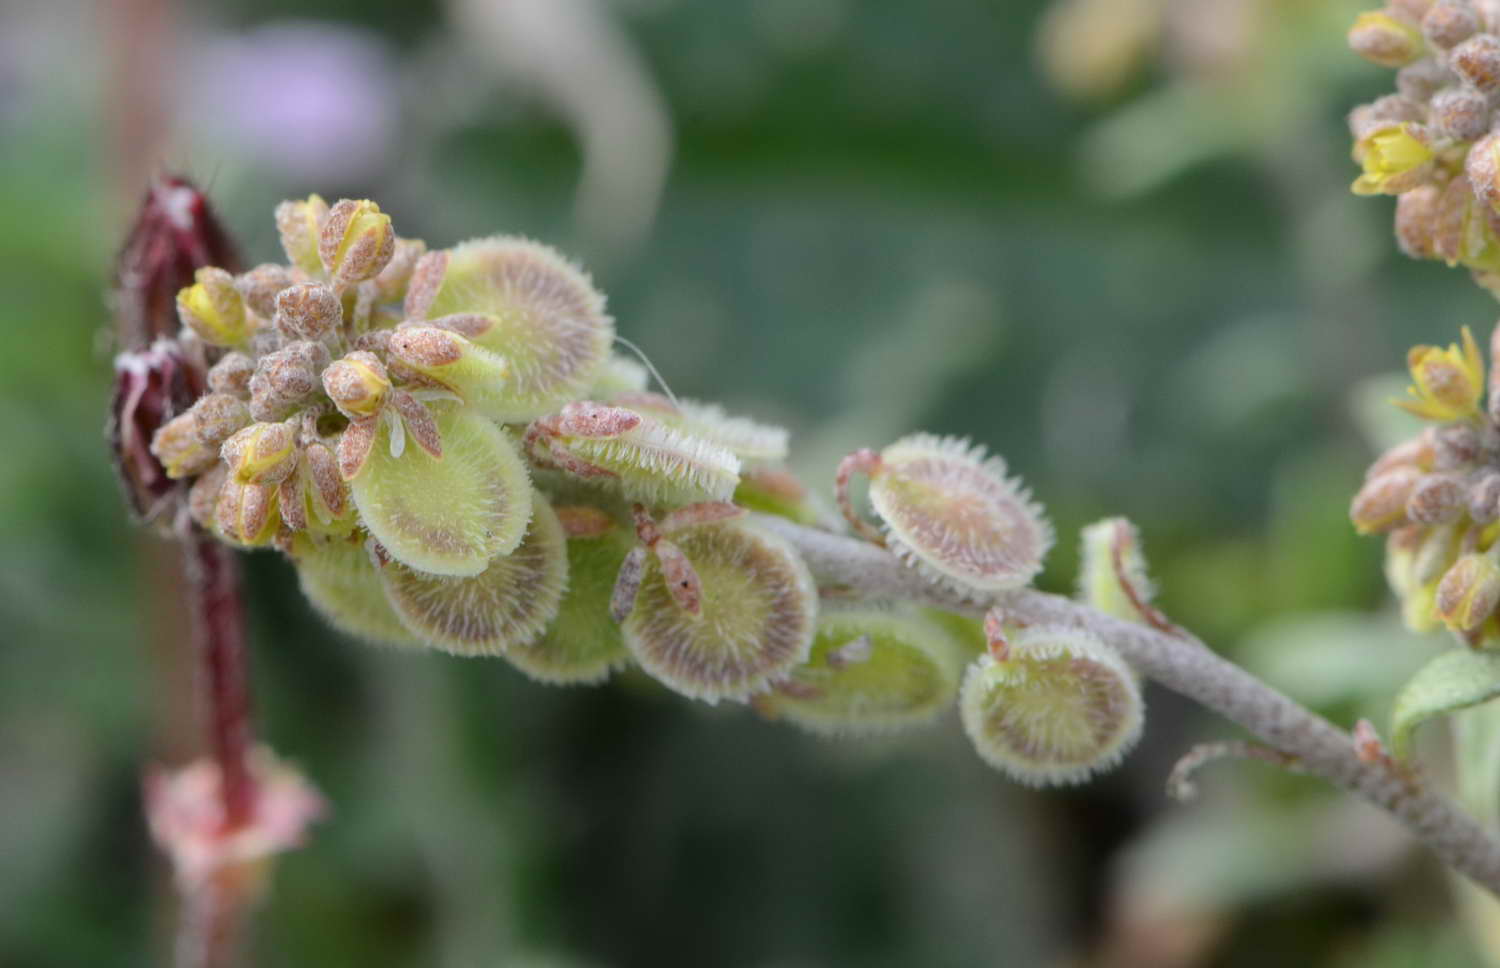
{"points": [[1111, 239]]}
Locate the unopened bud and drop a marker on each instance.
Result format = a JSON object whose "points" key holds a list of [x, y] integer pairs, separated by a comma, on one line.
{"points": [[1461, 113], [285, 378], [1483, 168], [203, 496], [308, 312], [218, 415], [1418, 452], [231, 375], [212, 308], [427, 347], [356, 241], [1381, 504], [1437, 499], [1469, 592], [1446, 383], [357, 384], [391, 281], [1397, 157], [262, 453], [1484, 498], [1411, 11], [1421, 80], [301, 226], [260, 285], [1477, 61], [1382, 39], [1448, 23], [1455, 446], [1416, 221], [177, 447], [245, 512]]}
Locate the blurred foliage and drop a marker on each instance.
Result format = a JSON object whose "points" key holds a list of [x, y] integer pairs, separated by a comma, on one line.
{"points": [[877, 217]]}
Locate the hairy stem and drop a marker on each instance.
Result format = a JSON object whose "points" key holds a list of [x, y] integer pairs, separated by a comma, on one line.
{"points": [[1185, 665]]}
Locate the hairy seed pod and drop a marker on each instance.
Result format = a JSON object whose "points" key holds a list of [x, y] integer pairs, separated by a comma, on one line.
{"points": [[870, 671], [756, 617], [1461, 113], [300, 224], [217, 416], [1112, 573], [1060, 707], [343, 584], [582, 646], [310, 311], [481, 377], [744, 438], [448, 516], [231, 375], [1449, 23], [1380, 504], [647, 460], [550, 325], [951, 512], [1416, 221], [260, 285], [505, 606], [1477, 61], [357, 384]]}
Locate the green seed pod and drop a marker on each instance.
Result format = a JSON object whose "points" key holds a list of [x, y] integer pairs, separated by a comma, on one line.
{"points": [[951, 513], [755, 622], [871, 671], [582, 646], [445, 516], [1059, 707], [549, 322], [481, 377], [775, 490], [343, 584], [745, 438], [646, 459], [1112, 575], [504, 607]]}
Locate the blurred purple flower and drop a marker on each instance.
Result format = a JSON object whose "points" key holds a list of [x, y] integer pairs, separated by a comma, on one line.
{"points": [[315, 101]]}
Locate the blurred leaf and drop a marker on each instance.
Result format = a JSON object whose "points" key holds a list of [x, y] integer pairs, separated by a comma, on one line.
{"points": [[1454, 680]]}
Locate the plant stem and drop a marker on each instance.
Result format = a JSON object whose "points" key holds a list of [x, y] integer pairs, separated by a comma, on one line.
{"points": [[1185, 665], [219, 643]]}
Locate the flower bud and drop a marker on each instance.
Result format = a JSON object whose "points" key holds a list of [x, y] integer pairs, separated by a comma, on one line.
{"points": [[390, 283], [1418, 452], [1397, 157], [1446, 383], [507, 605], [212, 308], [1461, 113], [203, 496], [301, 227], [246, 513], [357, 384], [259, 287], [356, 241], [285, 378], [1484, 498], [1477, 62], [176, 445], [1380, 504], [1482, 166], [1469, 592], [1455, 446], [1382, 39], [309, 311], [1421, 80], [231, 375], [218, 415], [1059, 708], [1416, 221], [1437, 499], [262, 453], [1448, 23]]}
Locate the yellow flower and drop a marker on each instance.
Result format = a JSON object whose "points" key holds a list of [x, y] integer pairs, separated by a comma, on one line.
{"points": [[1397, 157], [1447, 383]]}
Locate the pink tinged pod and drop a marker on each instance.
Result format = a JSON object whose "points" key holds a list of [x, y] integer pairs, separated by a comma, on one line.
{"points": [[507, 605]]}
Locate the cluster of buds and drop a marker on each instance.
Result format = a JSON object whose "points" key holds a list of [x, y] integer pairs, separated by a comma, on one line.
{"points": [[1432, 142], [447, 448], [1437, 496]]}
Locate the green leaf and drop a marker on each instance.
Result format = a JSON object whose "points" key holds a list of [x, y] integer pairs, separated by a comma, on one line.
{"points": [[1454, 680]]}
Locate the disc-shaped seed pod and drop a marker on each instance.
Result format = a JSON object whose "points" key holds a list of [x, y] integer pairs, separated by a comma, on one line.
{"points": [[548, 320], [871, 671], [741, 436], [506, 606], [446, 516], [342, 583], [952, 513], [582, 646], [1060, 707], [756, 618], [1112, 574]]}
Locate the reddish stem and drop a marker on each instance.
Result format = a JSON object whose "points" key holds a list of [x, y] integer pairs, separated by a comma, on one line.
{"points": [[219, 643]]}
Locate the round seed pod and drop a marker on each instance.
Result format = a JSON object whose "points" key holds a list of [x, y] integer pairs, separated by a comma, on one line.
{"points": [[506, 606], [582, 646], [548, 320], [757, 615], [1059, 708], [342, 583], [951, 513], [871, 671], [446, 516]]}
